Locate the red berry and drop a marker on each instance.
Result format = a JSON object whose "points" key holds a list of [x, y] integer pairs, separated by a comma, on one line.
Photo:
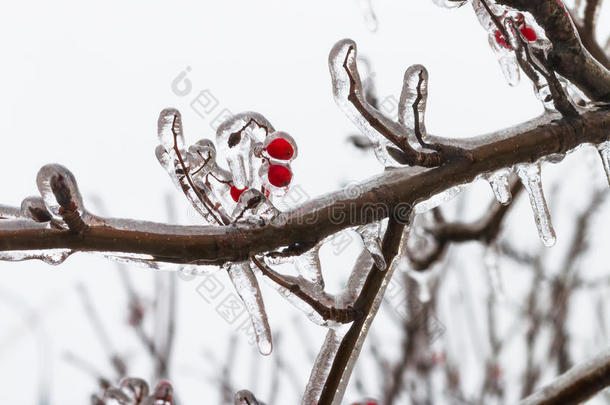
{"points": [[529, 33], [500, 40], [279, 175], [235, 192], [280, 149]]}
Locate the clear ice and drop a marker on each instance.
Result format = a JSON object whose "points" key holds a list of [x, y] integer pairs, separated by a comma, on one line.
{"points": [[529, 174], [247, 287]]}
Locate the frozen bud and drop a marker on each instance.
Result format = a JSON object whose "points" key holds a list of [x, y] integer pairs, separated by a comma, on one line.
{"points": [[35, 208], [59, 190]]}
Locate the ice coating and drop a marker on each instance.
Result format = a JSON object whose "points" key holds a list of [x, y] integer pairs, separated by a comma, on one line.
{"points": [[52, 256], [500, 185], [529, 174], [371, 316], [309, 267], [181, 183], [35, 209], [238, 139], [212, 180], [169, 130], [350, 97], [370, 19], [437, 199], [58, 189], [604, 153], [298, 303], [506, 31], [253, 207], [322, 366], [450, 3], [414, 93], [7, 212], [247, 287], [370, 234]]}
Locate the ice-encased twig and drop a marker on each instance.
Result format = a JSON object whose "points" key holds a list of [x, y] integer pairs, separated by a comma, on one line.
{"points": [[350, 97], [500, 185], [604, 153], [306, 287], [529, 174], [413, 101], [171, 155], [371, 316], [245, 284], [322, 365]]}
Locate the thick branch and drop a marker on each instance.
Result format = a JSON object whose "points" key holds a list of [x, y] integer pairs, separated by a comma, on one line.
{"points": [[576, 385], [568, 56], [326, 215]]}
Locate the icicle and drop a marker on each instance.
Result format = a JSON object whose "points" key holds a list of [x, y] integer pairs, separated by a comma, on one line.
{"points": [[58, 189], [309, 267], [500, 185], [510, 68], [490, 260], [450, 3], [246, 286], [604, 153], [322, 366], [372, 242], [529, 174], [254, 207], [368, 12], [52, 256], [348, 94]]}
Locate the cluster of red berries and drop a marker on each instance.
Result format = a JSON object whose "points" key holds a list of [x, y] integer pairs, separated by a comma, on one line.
{"points": [[279, 147], [528, 33]]}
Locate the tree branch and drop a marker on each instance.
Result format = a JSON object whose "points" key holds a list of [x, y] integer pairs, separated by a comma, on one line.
{"points": [[363, 305], [326, 215], [576, 385]]}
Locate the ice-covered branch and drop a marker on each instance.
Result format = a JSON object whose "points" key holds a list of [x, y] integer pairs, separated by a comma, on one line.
{"points": [[310, 223], [567, 56], [577, 385]]}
